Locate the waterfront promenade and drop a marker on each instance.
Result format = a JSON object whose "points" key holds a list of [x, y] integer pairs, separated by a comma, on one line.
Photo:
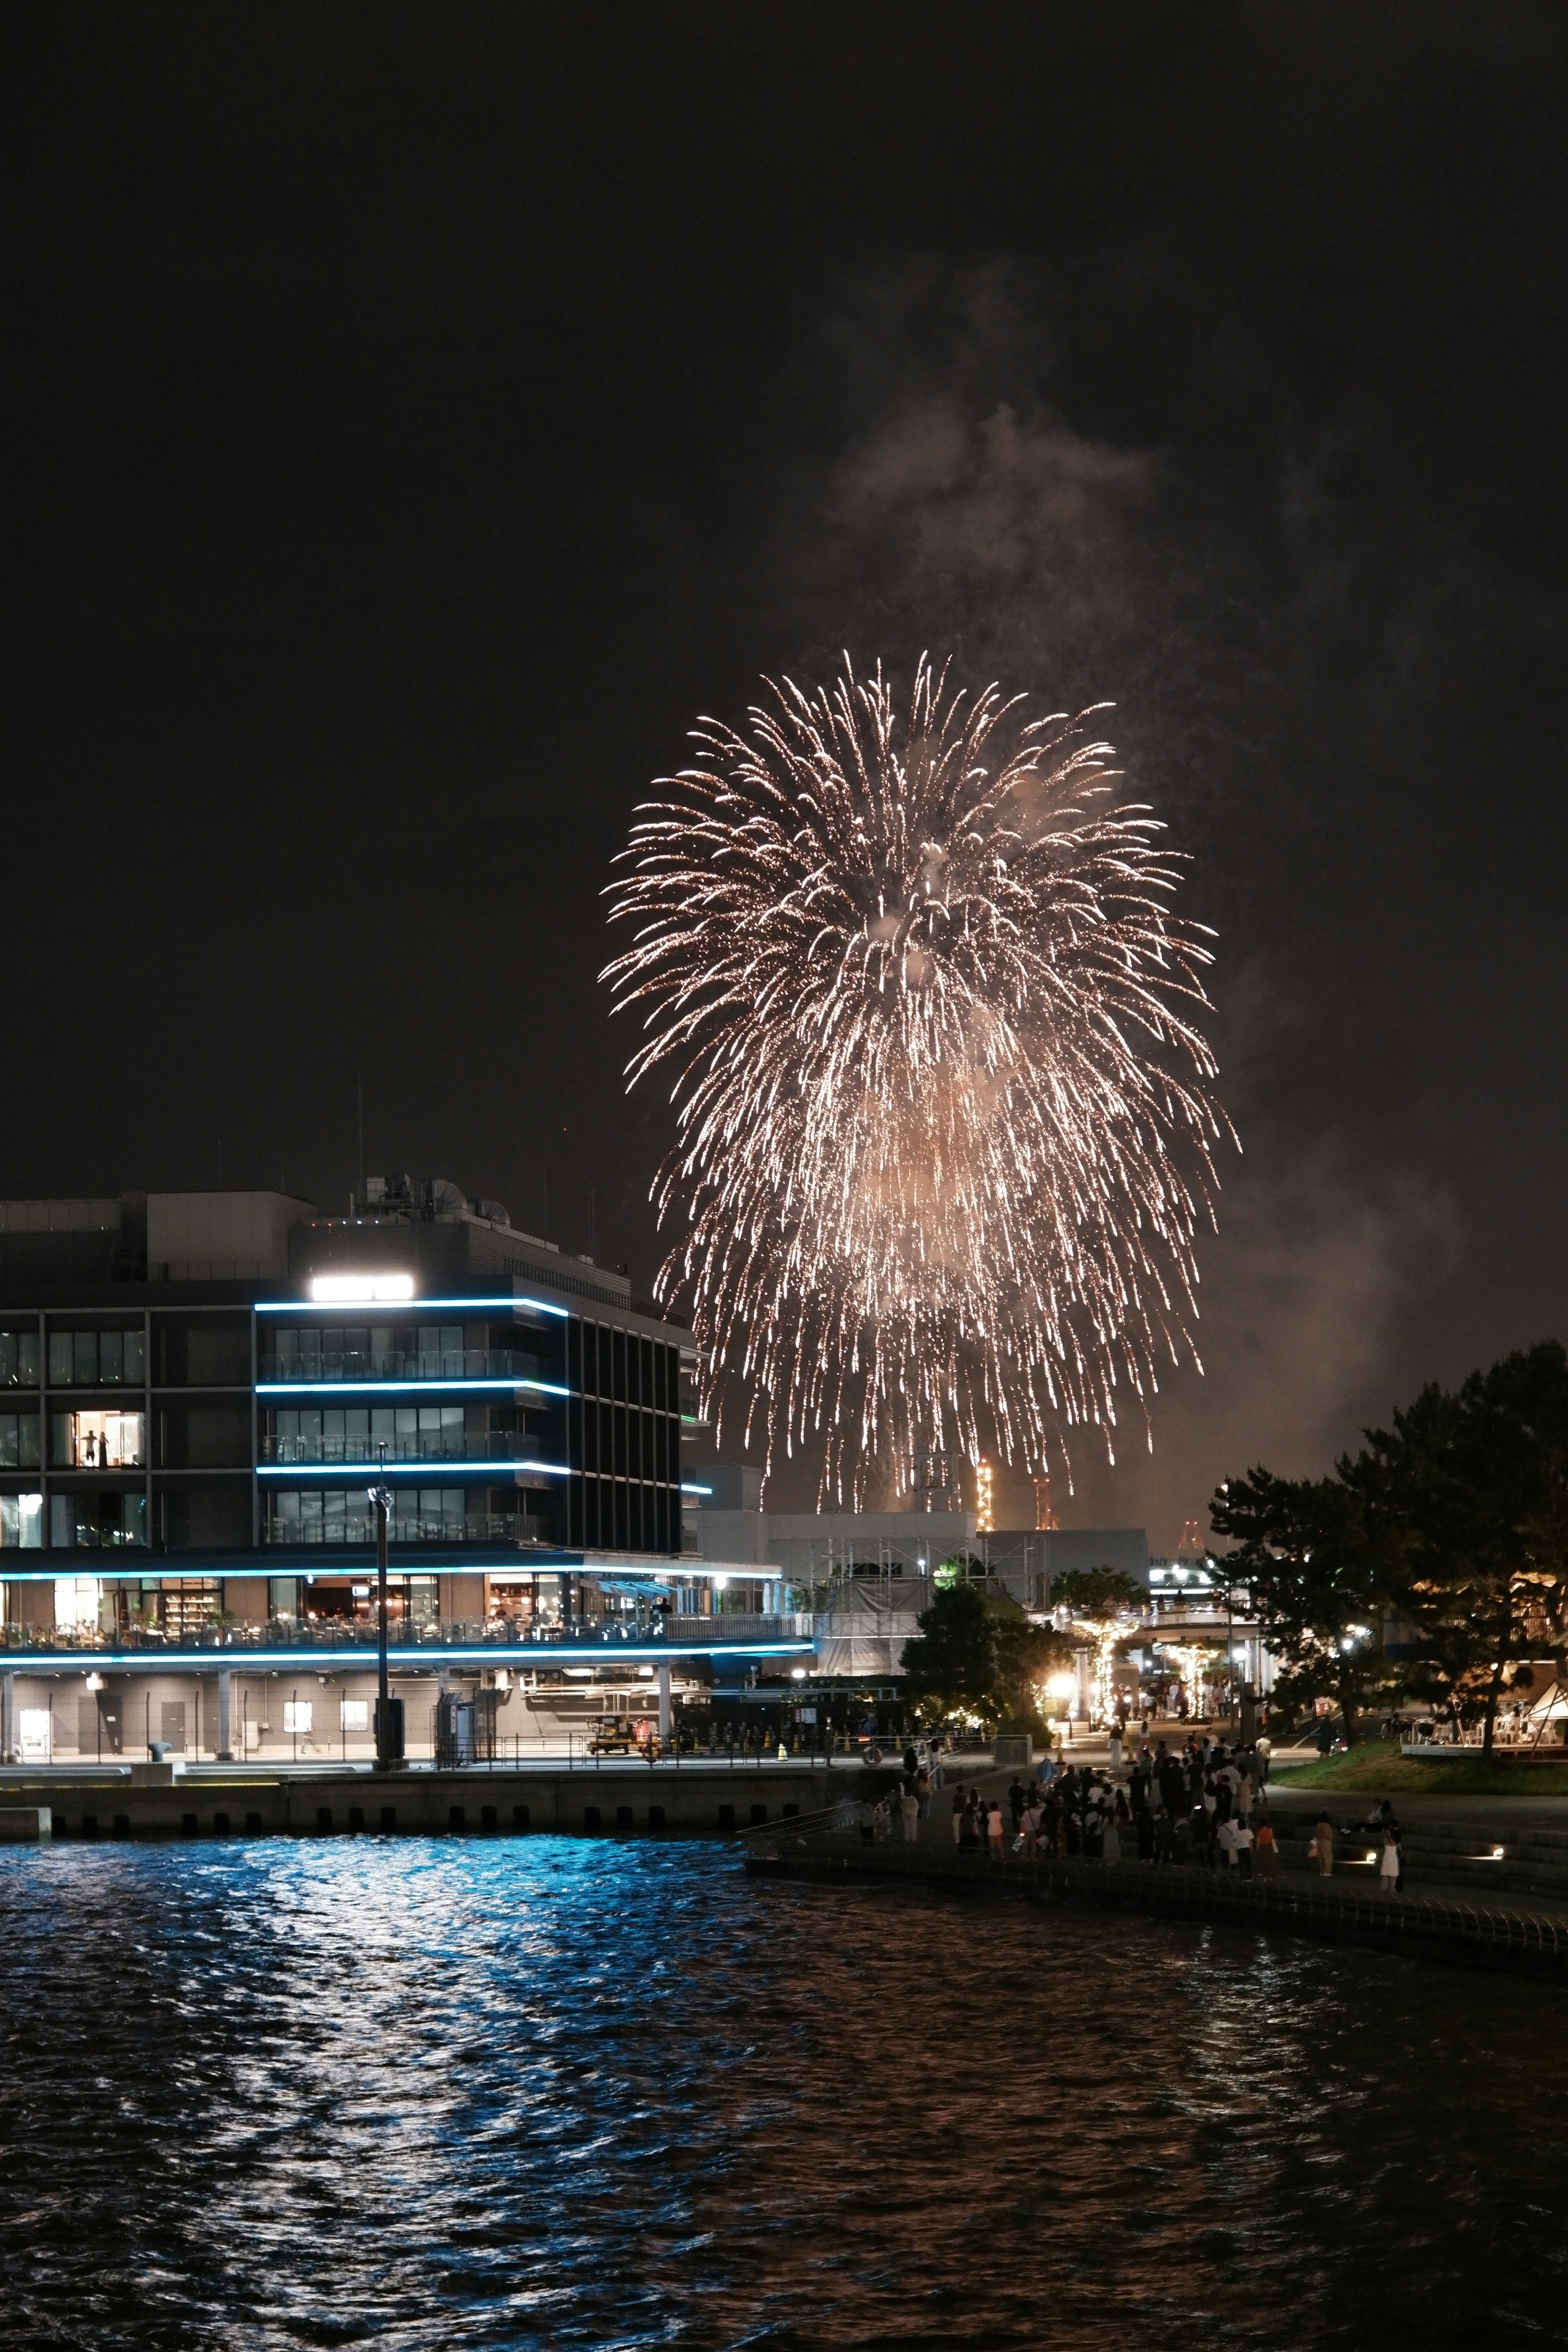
{"points": [[1441, 1921]]}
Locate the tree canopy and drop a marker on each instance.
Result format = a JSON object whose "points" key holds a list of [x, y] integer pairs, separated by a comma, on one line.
{"points": [[977, 1654], [1456, 1518]]}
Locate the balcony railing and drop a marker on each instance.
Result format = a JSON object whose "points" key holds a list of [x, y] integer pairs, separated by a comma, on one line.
{"points": [[227, 1644], [410, 1446], [396, 1364]]}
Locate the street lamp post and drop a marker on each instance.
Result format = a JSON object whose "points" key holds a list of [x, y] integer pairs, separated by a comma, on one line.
{"points": [[388, 1710]]}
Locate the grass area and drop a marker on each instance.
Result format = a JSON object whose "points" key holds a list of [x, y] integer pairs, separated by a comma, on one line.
{"points": [[1379, 1767]]}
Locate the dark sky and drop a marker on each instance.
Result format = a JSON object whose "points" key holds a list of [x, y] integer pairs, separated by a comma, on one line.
{"points": [[413, 418]]}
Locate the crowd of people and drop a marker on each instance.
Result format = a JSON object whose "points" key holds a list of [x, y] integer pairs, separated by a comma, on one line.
{"points": [[1201, 1803]]}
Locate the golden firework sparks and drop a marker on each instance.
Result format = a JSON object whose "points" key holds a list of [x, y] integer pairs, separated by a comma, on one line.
{"points": [[945, 1131]]}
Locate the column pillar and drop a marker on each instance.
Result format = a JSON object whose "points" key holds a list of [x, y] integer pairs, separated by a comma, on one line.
{"points": [[8, 1717], [225, 1715], [664, 1711]]}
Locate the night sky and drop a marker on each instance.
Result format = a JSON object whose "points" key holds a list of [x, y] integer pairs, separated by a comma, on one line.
{"points": [[414, 418]]}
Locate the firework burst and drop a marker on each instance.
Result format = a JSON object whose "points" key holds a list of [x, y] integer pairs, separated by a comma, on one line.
{"points": [[945, 1132]]}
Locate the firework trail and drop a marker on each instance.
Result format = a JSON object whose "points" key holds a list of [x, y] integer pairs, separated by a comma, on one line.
{"points": [[944, 1128]]}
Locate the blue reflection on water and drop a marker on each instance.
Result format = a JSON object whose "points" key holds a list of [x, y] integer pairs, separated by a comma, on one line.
{"points": [[553, 2093]]}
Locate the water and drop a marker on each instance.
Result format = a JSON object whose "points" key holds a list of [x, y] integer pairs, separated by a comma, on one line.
{"points": [[547, 2092]]}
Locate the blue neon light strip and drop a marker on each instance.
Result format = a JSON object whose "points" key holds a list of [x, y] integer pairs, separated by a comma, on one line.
{"points": [[432, 1472], [391, 1308], [697, 1490], [401, 1656], [397, 1388]]}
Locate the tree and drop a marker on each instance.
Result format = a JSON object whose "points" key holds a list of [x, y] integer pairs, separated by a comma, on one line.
{"points": [[977, 1654], [1096, 1595], [1315, 1556], [1098, 1600], [1477, 1485]]}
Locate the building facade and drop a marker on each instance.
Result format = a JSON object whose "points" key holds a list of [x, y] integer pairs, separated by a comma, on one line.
{"points": [[198, 1392]]}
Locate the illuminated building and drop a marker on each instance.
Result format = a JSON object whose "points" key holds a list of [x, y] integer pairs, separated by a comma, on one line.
{"points": [[197, 1390]]}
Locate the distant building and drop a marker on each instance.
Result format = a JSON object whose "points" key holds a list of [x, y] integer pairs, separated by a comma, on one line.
{"points": [[869, 1574]]}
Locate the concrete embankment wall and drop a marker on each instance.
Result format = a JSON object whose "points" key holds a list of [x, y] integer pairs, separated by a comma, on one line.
{"points": [[1460, 1932], [691, 1800], [1488, 1851]]}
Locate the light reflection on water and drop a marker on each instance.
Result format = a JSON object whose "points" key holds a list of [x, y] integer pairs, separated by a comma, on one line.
{"points": [[557, 2093]]}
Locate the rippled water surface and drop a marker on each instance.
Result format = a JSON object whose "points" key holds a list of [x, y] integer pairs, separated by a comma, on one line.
{"points": [[553, 2093]]}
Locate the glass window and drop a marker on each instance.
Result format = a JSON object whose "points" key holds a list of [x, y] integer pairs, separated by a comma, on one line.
{"points": [[135, 1359], [76, 1603], [356, 1434], [62, 1523], [21, 1522], [133, 1518], [310, 1518], [59, 1359], [84, 1357], [333, 1503], [96, 1441], [332, 1434], [18, 1441], [381, 1349], [297, 1714], [310, 1354], [111, 1358], [355, 1714], [285, 1520]]}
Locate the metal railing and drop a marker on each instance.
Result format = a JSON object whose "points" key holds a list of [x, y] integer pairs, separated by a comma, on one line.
{"points": [[399, 1364], [363, 1453], [230, 1640]]}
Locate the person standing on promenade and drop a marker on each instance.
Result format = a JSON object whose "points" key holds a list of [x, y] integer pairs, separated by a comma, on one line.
{"points": [[1388, 1871], [1323, 1839], [909, 1811], [1241, 1848], [1268, 1849], [1018, 1798], [994, 1830]]}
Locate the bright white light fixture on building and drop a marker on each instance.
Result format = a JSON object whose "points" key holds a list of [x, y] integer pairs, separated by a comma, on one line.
{"points": [[797, 1674], [94, 1683], [1061, 1686], [359, 1289]]}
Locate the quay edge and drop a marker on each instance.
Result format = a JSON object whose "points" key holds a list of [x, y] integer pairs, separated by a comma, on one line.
{"points": [[688, 1800]]}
